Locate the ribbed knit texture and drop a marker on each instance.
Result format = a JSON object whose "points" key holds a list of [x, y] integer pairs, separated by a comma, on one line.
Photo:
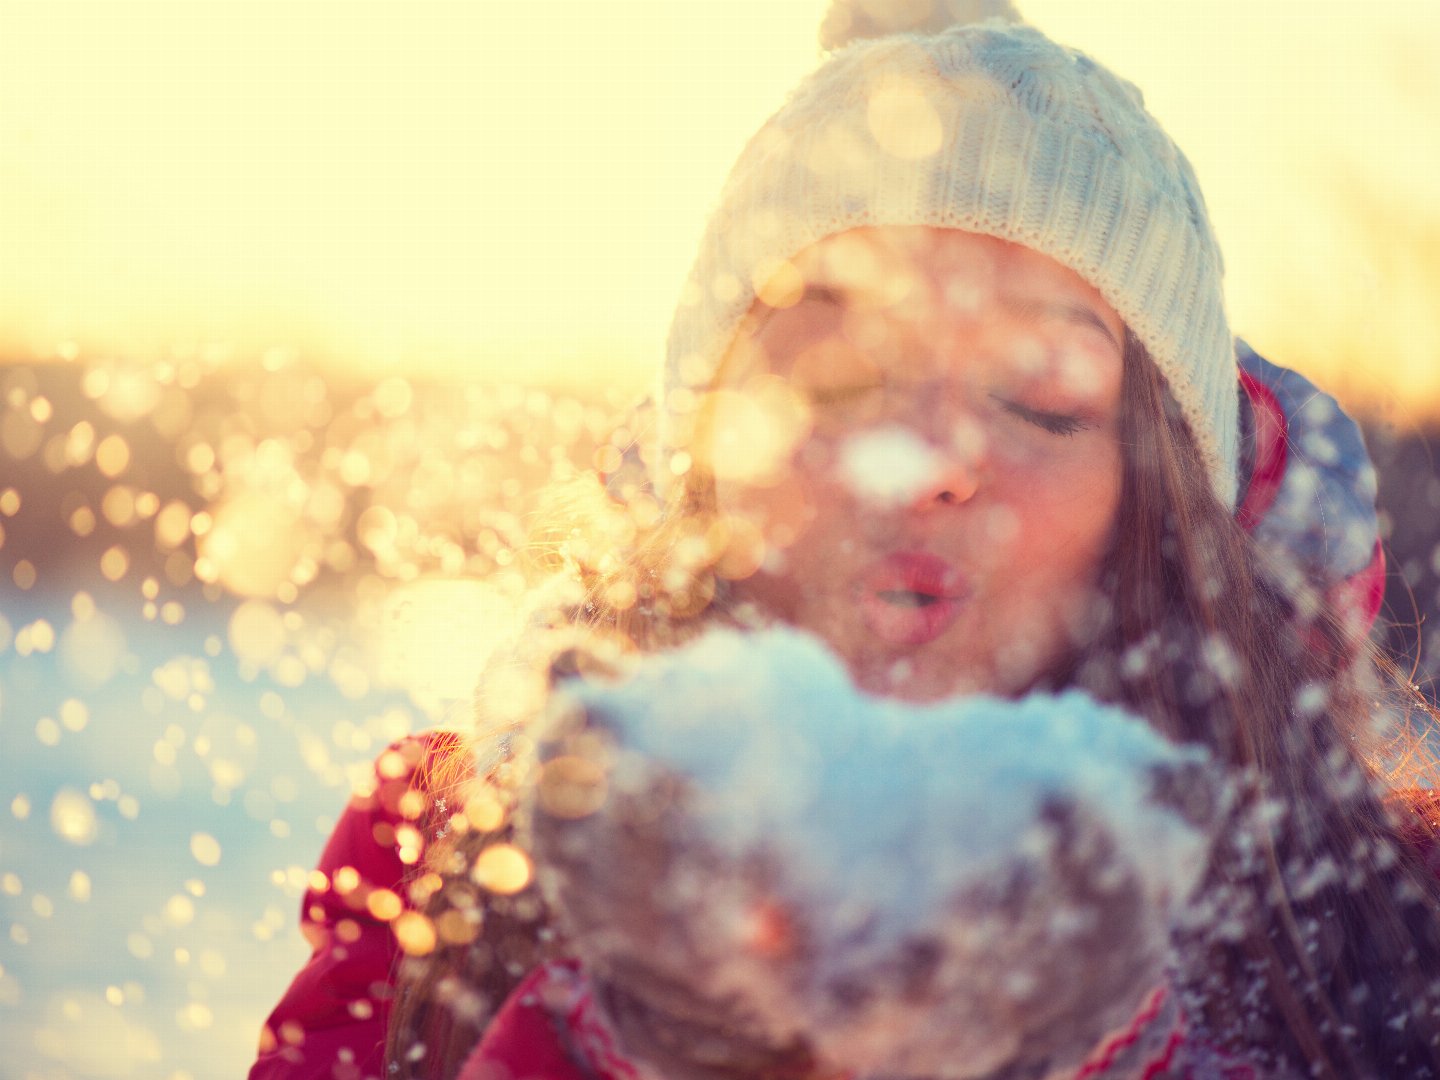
{"points": [[993, 129]]}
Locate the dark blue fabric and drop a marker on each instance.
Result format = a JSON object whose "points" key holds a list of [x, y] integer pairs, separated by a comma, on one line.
{"points": [[1324, 513]]}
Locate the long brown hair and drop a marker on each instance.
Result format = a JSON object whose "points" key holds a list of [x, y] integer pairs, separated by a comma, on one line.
{"points": [[1314, 943], [1311, 945]]}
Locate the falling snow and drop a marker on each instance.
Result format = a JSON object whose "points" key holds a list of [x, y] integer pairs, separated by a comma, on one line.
{"points": [[889, 466]]}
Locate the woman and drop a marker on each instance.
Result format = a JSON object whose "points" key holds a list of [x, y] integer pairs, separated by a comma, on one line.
{"points": [[952, 387]]}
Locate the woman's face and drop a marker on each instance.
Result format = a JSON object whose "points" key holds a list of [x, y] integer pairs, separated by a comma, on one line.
{"points": [[923, 426]]}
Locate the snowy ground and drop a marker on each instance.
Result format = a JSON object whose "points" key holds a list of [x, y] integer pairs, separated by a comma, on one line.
{"points": [[159, 829]]}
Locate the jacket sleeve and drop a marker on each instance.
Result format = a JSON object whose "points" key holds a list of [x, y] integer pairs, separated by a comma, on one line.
{"points": [[330, 1024], [531, 1034]]}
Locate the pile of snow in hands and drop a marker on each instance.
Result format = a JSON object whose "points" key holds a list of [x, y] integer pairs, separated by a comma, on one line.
{"points": [[936, 890]]}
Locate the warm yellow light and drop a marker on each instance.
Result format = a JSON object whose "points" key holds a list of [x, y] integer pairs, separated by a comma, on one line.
{"points": [[503, 869], [437, 635], [479, 190], [384, 905], [415, 934], [473, 188]]}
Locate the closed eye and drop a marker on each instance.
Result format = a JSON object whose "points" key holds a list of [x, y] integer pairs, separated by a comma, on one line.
{"points": [[1054, 423]]}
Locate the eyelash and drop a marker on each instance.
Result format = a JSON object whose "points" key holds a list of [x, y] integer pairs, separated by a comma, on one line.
{"points": [[1055, 423], [1059, 424]]}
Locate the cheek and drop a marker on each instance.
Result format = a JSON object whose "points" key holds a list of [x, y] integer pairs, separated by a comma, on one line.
{"points": [[1047, 604], [806, 502], [778, 511], [1064, 518]]}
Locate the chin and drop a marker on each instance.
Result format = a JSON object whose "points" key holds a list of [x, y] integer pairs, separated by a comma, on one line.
{"points": [[919, 684]]}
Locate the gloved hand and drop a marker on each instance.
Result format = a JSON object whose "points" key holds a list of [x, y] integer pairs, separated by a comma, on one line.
{"points": [[758, 865]]}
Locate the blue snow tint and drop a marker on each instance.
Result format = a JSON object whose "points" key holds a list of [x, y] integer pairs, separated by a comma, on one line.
{"points": [[899, 804], [188, 981]]}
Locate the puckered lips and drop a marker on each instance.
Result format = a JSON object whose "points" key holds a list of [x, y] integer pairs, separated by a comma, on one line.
{"points": [[909, 598]]}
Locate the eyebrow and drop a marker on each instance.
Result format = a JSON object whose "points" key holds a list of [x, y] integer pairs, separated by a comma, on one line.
{"points": [[1034, 311], [1030, 310], [826, 294]]}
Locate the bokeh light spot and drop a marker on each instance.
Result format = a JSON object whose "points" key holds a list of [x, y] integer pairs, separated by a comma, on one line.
{"points": [[415, 933], [903, 122], [383, 904], [257, 633], [72, 816], [23, 574], [503, 869], [112, 456], [205, 849]]}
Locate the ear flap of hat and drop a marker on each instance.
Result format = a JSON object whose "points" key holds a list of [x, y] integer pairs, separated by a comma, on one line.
{"points": [[1312, 488]]}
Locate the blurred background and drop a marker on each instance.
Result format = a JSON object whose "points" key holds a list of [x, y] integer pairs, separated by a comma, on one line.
{"points": [[300, 305]]}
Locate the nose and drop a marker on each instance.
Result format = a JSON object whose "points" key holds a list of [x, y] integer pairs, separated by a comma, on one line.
{"points": [[959, 446], [955, 481]]}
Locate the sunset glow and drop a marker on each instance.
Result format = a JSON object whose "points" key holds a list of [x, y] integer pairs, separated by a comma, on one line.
{"points": [[477, 190]]}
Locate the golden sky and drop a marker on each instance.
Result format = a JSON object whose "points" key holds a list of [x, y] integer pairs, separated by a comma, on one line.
{"points": [[477, 189]]}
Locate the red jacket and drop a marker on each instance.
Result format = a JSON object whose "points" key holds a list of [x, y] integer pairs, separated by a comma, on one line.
{"points": [[332, 1020]]}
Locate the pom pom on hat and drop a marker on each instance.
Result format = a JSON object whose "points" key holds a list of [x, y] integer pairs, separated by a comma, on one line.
{"points": [[858, 20]]}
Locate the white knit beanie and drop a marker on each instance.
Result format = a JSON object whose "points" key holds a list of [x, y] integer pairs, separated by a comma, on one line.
{"points": [[988, 127]]}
